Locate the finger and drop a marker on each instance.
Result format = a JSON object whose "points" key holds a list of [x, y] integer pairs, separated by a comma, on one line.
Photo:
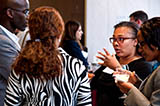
{"points": [[101, 54], [113, 55], [120, 70], [106, 51], [134, 72], [119, 84], [129, 72], [101, 58], [116, 72], [101, 63]]}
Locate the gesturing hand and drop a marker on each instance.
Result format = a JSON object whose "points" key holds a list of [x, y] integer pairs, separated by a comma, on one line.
{"points": [[108, 60]]}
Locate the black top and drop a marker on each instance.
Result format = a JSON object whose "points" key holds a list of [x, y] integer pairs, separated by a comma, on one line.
{"points": [[72, 48], [107, 92], [141, 67]]}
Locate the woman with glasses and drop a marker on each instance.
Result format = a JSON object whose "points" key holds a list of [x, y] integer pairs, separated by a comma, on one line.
{"points": [[125, 43], [148, 93]]}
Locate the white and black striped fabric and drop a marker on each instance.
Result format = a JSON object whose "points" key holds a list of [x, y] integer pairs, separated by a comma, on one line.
{"points": [[72, 88]]}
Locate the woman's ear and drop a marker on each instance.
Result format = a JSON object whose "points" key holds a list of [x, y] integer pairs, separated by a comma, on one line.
{"points": [[9, 13], [135, 42]]}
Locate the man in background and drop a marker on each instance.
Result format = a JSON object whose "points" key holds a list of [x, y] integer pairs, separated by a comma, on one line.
{"points": [[13, 14], [139, 17]]}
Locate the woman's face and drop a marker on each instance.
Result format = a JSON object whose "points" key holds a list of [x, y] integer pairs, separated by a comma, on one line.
{"points": [[125, 42], [144, 49], [79, 33]]}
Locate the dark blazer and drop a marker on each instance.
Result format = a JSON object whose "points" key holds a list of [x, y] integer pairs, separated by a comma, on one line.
{"points": [[72, 48], [8, 52]]}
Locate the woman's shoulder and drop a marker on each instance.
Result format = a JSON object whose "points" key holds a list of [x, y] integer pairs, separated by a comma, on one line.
{"points": [[141, 67], [67, 57], [71, 62], [70, 42], [140, 61], [155, 76], [156, 68], [62, 51]]}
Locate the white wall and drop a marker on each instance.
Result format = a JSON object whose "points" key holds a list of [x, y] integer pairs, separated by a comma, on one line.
{"points": [[102, 15]]}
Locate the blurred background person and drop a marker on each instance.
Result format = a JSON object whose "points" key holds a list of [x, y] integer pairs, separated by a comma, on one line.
{"points": [[42, 75], [139, 17], [148, 93], [13, 14], [125, 44], [71, 41]]}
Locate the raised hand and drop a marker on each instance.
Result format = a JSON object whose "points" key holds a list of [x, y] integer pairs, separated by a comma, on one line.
{"points": [[108, 59]]}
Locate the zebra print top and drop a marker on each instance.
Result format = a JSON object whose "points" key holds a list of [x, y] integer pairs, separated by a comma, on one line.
{"points": [[72, 88]]}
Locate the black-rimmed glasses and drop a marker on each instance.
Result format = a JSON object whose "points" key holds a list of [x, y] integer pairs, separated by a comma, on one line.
{"points": [[119, 39], [26, 11]]}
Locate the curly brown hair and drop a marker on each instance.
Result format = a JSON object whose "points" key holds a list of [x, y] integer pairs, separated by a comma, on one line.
{"points": [[40, 57]]}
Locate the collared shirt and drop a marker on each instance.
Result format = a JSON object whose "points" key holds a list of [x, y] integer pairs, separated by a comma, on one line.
{"points": [[11, 35]]}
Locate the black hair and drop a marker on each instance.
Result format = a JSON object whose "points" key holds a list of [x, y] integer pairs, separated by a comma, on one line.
{"points": [[150, 31], [128, 24], [139, 15]]}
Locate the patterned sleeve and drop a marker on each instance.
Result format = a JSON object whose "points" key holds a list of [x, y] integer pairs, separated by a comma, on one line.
{"points": [[13, 95], [73, 85], [84, 95]]}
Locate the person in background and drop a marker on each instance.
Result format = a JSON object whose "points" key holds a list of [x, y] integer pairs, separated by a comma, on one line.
{"points": [[139, 17], [125, 44], [44, 75], [148, 93], [13, 14], [71, 41]]}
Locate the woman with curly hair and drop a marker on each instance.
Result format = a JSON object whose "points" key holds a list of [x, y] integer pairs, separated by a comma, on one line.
{"points": [[44, 75]]}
